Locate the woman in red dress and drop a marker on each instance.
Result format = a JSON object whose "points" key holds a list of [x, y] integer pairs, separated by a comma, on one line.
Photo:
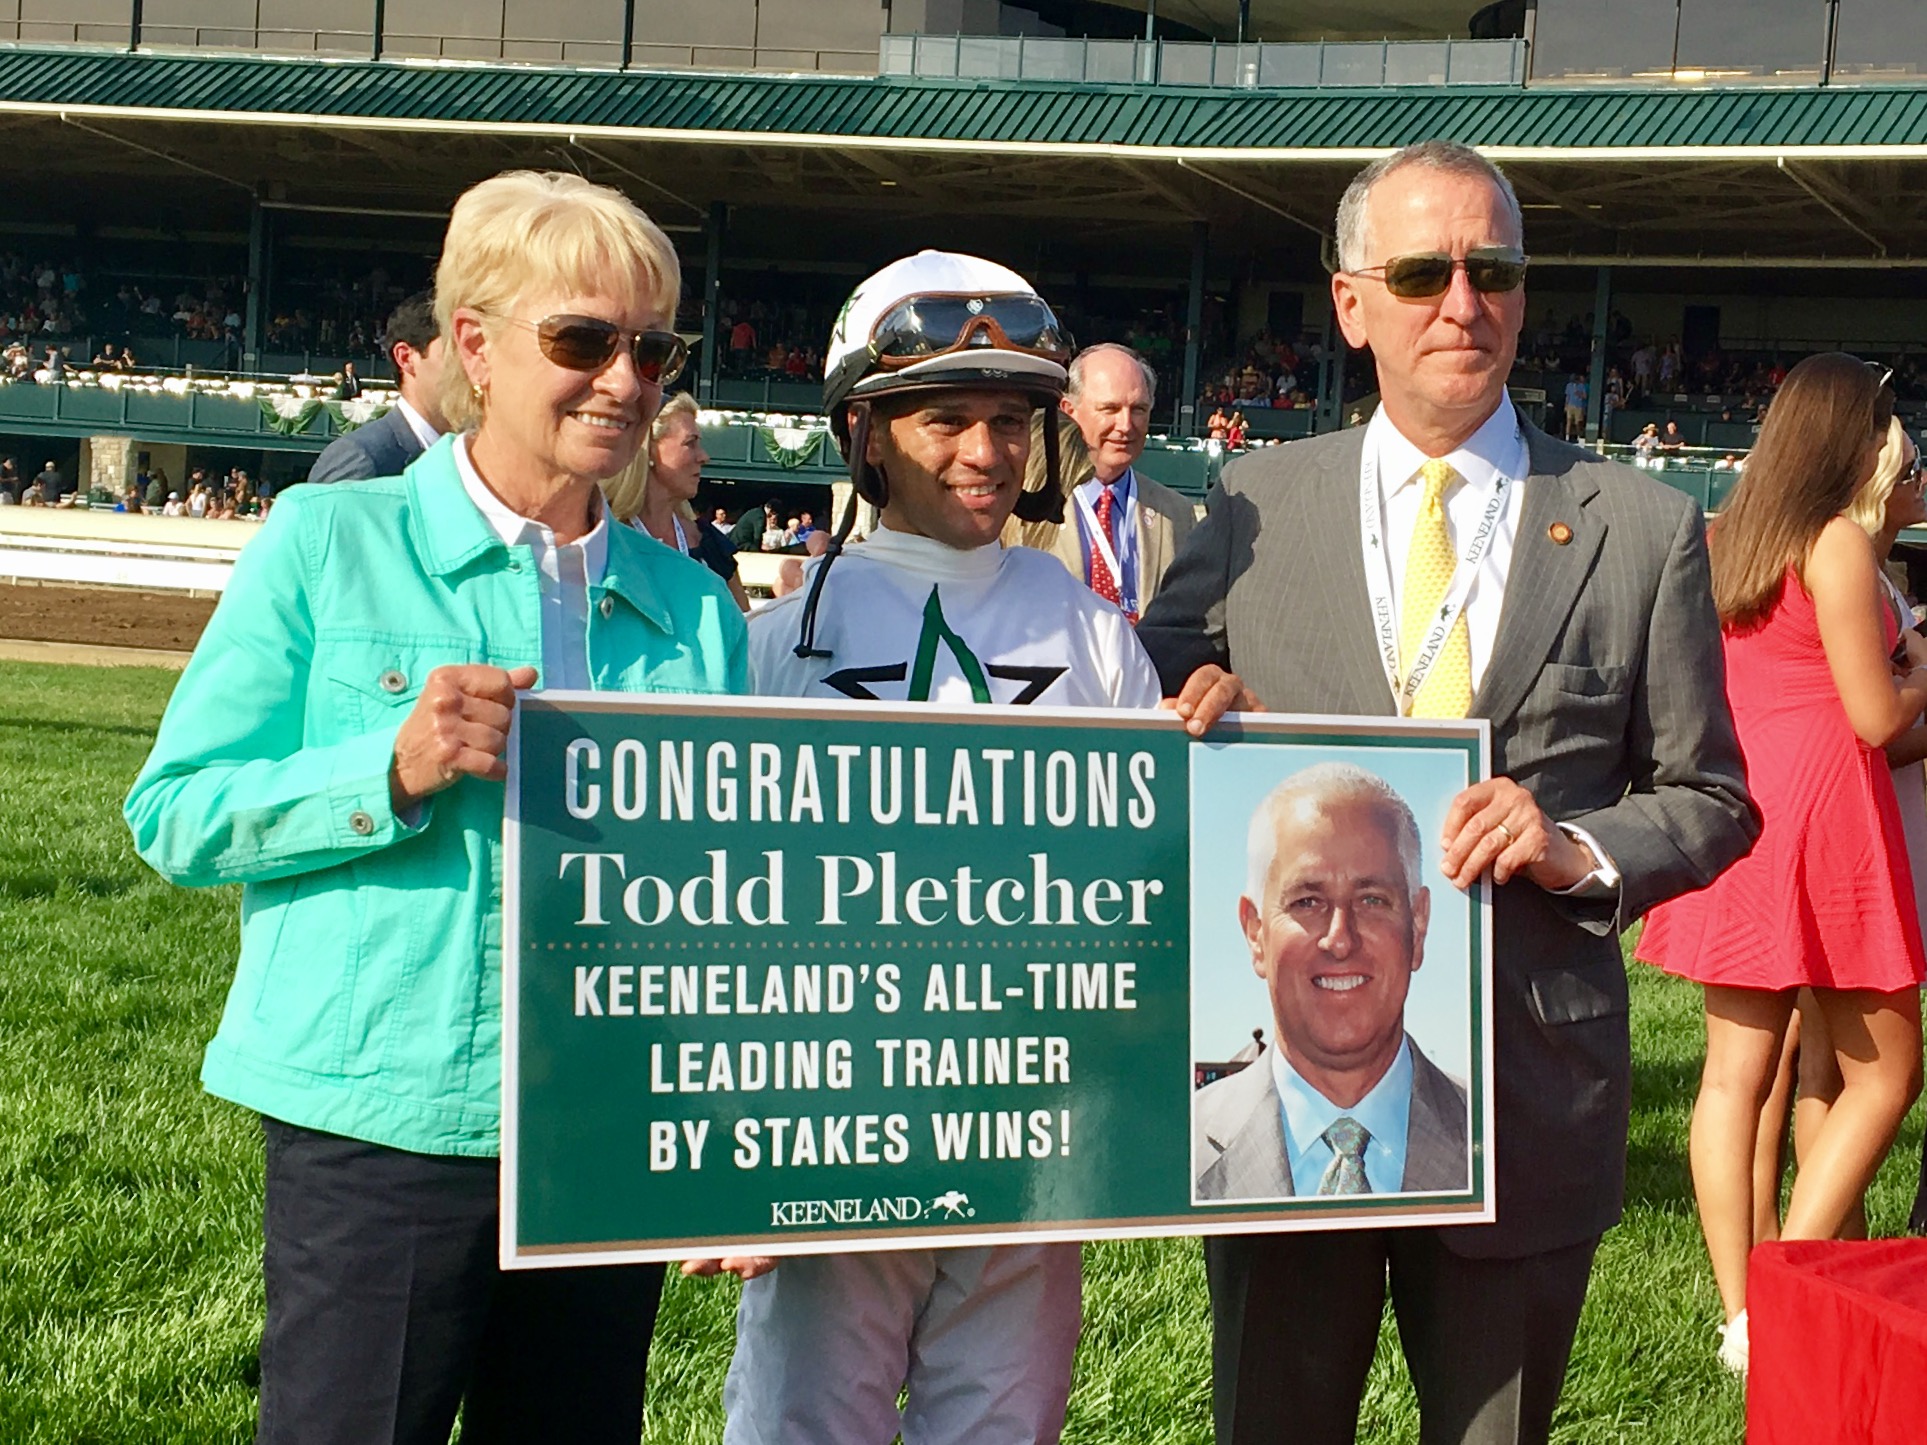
{"points": [[1825, 900]]}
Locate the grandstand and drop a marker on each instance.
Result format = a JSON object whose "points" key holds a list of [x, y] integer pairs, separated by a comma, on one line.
{"points": [[1731, 187]]}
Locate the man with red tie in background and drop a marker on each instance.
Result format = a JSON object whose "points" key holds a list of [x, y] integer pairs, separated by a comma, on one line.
{"points": [[1123, 529]]}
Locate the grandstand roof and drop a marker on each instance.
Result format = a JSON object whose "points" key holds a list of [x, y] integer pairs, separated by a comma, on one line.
{"points": [[1568, 125]]}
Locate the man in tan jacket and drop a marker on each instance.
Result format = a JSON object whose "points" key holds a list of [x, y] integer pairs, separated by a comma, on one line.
{"points": [[1120, 530]]}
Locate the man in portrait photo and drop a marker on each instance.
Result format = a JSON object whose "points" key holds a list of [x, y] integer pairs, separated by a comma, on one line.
{"points": [[1344, 1102]]}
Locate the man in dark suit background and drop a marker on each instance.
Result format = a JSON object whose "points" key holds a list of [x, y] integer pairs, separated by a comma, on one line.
{"points": [[390, 442], [1335, 915], [1450, 559]]}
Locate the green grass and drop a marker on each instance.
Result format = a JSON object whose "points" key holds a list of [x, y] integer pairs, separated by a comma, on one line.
{"points": [[130, 1292]]}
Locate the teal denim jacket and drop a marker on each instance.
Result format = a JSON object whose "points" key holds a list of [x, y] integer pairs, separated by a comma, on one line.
{"points": [[367, 1001]]}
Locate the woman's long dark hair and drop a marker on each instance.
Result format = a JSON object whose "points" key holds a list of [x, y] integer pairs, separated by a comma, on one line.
{"points": [[1811, 458]]}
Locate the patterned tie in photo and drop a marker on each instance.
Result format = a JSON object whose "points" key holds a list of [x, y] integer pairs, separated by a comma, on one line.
{"points": [[1347, 1139], [1429, 565], [1102, 582]]}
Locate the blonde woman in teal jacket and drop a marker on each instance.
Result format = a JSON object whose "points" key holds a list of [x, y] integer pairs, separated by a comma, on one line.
{"points": [[335, 747]]}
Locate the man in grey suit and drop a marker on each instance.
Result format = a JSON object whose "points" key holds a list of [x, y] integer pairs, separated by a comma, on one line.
{"points": [[1335, 916], [1451, 559], [1120, 529], [414, 423]]}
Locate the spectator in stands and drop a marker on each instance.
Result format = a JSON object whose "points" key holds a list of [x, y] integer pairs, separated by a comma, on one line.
{"points": [[10, 477], [805, 526], [1237, 433], [54, 366], [172, 506], [750, 528], [385, 1300], [776, 536], [1218, 424], [19, 365], [1577, 395], [349, 387], [53, 485], [742, 345], [35, 494], [415, 422], [107, 358], [1647, 442], [130, 500], [655, 493], [719, 521], [1671, 438], [7, 498]]}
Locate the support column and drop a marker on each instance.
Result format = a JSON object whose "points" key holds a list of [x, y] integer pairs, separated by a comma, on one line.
{"points": [[1193, 331], [379, 28], [1331, 382], [106, 464], [712, 300], [260, 222], [1602, 300]]}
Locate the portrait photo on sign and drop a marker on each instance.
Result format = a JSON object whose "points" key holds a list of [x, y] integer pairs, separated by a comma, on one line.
{"points": [[1337, 1030]]}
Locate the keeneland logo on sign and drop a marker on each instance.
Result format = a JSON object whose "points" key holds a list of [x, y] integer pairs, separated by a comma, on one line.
{"points": [[903, 1209]]}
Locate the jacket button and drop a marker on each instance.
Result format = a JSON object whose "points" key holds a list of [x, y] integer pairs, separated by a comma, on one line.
{"points": [[393, 681], [608, 608], [362, 823]]}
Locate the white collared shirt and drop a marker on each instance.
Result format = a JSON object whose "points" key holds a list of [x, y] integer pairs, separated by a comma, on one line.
{"points": [[566, 570], [1497, 449], [417, 423]]}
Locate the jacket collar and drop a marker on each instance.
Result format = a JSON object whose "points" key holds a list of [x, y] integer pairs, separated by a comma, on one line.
{"points": [[460, 535]]}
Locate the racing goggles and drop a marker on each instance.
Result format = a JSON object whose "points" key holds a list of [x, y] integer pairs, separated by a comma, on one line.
{"points": [[588, 343], [1491, 270], [922, 327]]}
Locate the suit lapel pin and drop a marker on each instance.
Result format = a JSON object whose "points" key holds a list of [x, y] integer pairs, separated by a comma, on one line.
{"points": [[1560, 533]]}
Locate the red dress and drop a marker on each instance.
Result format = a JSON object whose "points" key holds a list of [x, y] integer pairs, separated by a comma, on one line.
{"points": [[1826, 897]]}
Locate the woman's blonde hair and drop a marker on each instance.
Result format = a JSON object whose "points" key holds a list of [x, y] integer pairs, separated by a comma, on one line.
{"points": [[627, 489], [1868, 509], [525, 233]]}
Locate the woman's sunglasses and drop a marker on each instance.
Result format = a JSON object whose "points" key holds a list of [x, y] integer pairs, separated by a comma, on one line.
{"points": [[1490, 269], [587, 343]]}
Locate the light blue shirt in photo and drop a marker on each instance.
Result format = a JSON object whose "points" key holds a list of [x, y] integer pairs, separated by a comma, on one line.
{"points": [[1385, 1112]]}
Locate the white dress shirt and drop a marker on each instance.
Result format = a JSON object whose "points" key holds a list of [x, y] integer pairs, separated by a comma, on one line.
{"points": [[417, 423], [565, 570], [1495, 451]]}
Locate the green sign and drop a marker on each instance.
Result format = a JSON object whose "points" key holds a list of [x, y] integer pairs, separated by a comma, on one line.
{"points": [[786, 977]]}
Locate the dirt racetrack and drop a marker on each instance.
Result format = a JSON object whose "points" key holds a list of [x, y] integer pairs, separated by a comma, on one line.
{"points": [[103, 616]]}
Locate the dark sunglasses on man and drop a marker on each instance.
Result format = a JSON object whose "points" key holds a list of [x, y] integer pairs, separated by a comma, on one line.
{"points": [[588, 343], [1492, 270]]}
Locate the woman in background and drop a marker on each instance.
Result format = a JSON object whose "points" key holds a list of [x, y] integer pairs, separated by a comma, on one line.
{"points": [[656, 493], [1825, 899]]}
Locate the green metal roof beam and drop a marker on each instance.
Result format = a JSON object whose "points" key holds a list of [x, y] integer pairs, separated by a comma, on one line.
{"points": [[1039, 118]]}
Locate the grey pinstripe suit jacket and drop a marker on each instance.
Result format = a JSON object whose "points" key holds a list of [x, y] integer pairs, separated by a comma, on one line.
{"points": [[1238, 1134], [1606, 695]]}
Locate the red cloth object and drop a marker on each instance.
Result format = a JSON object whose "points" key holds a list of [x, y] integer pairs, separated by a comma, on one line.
{"points": [[1102, 582], [1838, 1338]]}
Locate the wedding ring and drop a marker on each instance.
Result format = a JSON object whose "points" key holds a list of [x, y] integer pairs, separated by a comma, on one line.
{"points": [[1501, 828]]}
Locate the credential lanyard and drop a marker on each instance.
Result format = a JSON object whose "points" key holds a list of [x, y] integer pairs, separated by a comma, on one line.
{"points": [[1378, 583], [675, 525], [1126, 587]]}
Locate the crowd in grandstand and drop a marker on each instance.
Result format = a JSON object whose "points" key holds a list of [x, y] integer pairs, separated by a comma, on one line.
{"points": [[66, 299]]}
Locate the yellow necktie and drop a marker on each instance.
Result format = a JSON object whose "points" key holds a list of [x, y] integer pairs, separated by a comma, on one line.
{"points": [[1429, 565]]}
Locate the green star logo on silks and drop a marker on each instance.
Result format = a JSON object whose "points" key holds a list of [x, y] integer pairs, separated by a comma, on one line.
{"points": [[938, 634]]}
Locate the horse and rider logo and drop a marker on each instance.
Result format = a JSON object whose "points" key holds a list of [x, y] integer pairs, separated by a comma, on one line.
{"points": [[955, 1205]]}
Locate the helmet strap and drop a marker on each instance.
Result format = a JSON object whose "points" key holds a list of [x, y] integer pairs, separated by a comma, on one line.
{"points": [[859, 468], [1046, 504]]}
